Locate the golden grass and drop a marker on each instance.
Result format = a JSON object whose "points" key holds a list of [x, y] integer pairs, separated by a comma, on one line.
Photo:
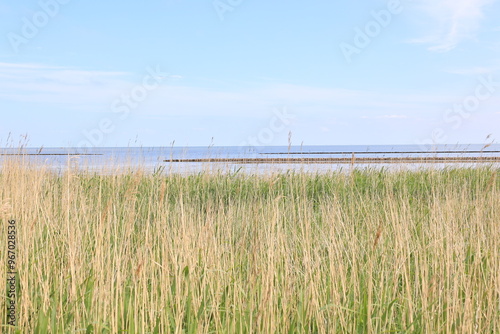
{"points": [[371, 251]]}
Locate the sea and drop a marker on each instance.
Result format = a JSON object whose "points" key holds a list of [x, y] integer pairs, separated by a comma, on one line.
{"points": [[232, 159]]}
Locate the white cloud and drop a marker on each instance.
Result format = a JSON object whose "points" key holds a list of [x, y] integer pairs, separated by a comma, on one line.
{"points": [[454, 21]]}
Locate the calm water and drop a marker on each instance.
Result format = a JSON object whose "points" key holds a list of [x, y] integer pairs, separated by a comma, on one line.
{"points": [[158, 158]]}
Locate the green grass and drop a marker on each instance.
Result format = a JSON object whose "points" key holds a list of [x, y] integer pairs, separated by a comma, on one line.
{"points": [[367, 251]]}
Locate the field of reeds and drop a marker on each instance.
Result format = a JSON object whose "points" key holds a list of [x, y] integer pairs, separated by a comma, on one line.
{"points": [[361, 251]]}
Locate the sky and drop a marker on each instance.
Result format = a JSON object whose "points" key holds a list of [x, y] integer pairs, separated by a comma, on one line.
{"points": [[240, 72]]}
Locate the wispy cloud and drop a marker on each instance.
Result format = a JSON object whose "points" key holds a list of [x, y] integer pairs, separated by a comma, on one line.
{"points": [[94, 91], [386, 117], [478, 70], [74, 88], [453, 21], [39, 83]]}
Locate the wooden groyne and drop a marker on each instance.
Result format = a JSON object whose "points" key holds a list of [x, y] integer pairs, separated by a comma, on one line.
{"points": [[340, 160]]}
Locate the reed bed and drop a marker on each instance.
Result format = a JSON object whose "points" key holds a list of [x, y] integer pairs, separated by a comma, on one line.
{"points": [[364, 251]]}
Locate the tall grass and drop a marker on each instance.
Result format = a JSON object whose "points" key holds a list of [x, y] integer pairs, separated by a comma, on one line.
{"points": [[370, 251]]}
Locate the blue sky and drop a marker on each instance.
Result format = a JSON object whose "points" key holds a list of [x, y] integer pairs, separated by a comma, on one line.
{"points": [[233, 72]]}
